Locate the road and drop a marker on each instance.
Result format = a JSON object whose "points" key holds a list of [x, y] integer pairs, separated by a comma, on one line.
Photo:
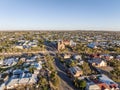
{"points": [[33, 52], [65, 81]]}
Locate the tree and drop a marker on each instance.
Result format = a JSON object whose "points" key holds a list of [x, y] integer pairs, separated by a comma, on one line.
{"points": [[31, 69], [49, 63], [86, 68], [72, 63], [81, 84], [54, 79], [43, 83], [115, 74]]}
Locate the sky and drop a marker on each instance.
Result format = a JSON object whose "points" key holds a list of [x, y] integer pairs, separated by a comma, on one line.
{"points": [[60, 15]]}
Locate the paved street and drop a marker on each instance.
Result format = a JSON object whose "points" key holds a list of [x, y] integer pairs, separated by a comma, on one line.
{"points": [[66, 83]]}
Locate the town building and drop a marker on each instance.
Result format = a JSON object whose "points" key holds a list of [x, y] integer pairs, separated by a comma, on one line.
{"points": [[97, 62], [75, 71], [62, 43], [101, 82], [92, 45]]}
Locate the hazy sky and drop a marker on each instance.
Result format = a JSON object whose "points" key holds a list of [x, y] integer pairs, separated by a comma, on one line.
{"points": [[60, 14]]}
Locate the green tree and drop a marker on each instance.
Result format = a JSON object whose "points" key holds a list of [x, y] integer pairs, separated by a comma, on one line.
{"points": [[86, 68], [43, 83], [31, 69], [54, 78], [81, 84]]}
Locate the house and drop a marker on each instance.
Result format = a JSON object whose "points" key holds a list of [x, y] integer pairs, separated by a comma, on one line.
{"points": [[17, 73], [2, 81], [21, 77], [91, 85], [77, 57], [104, 82], [66, 42], [10, 61], [118, 57], [33, 79], [113, 85], [4, 76], [97, 62], [14, 80], [80, 62], [106, 56], [22, 59], [75, 71], [12, 83], [102, 85], [26, 77], [22, 44], [66, 56], [33, 44], [32, 59], [38, 67], [72, 44], [92, 45], [26, 64]]}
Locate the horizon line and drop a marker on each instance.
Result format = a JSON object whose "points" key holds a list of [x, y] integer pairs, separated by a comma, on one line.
{"points": [[10, 30]]}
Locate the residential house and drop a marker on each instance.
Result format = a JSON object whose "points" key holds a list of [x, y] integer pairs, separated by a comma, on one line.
{"points": [[66, 42], [10, 61], [92, 45], [97, 62], [22, 59], [80, 62], [113, 85], [38, 66], [75, 71], [21, 77], [66, 56], [91, 85], [22, 44], [4, 76], [104, 82], [72, 44], [32, 59], [106, 56], [118, 57], [77, 57]]}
